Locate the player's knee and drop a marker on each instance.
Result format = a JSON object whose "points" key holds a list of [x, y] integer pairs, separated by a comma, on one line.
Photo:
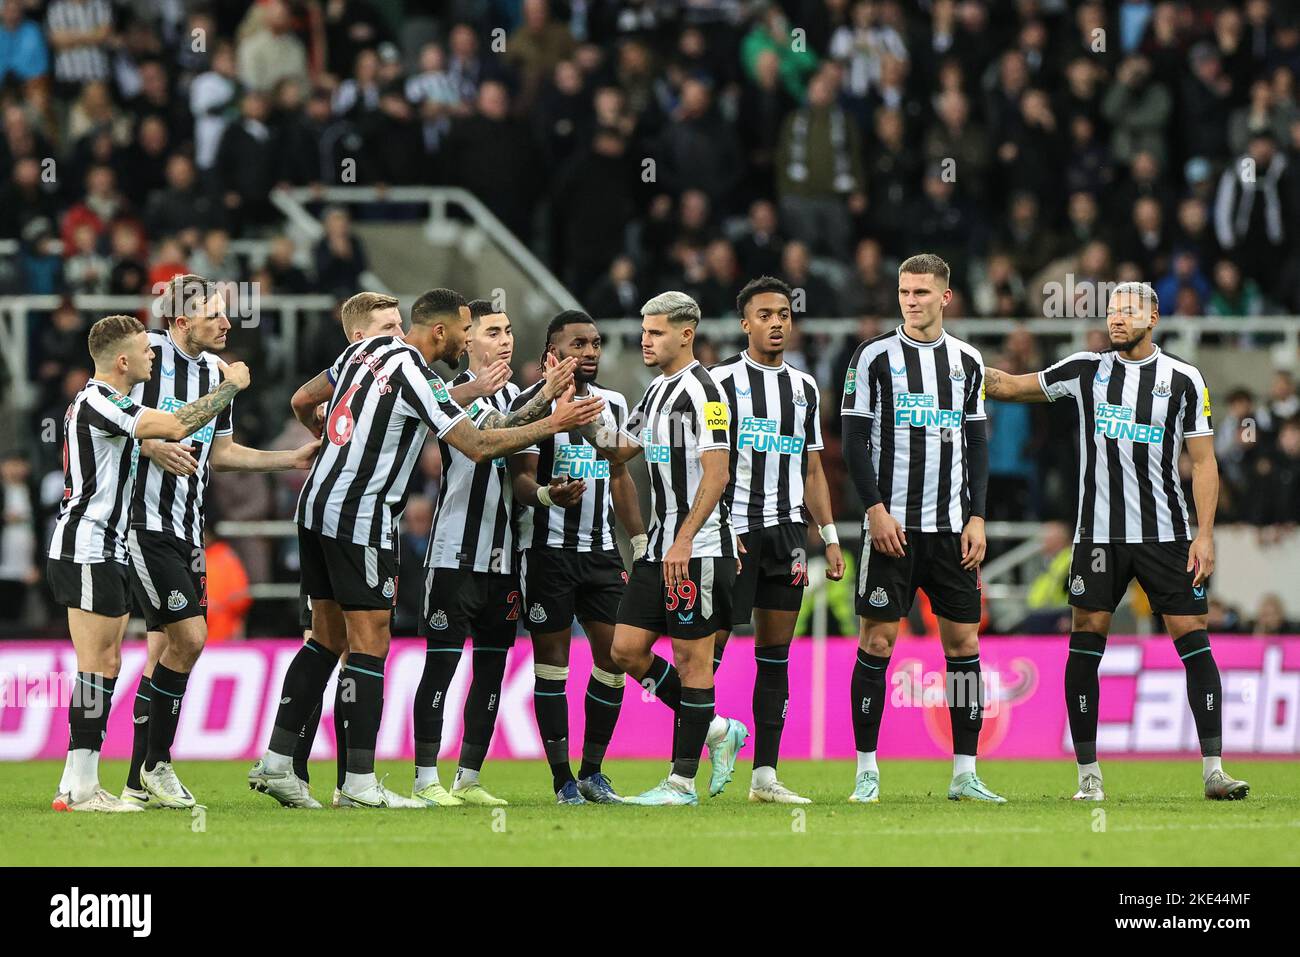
{"points": [[187, 644], [879, 639], [1085, 619], [624, 658]]}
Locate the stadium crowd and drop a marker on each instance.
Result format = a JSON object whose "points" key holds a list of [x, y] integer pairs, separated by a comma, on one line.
{"points": [[639, 145]]}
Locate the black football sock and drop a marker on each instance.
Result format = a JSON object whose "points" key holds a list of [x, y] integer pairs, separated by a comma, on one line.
{"points": [[771, 696], [1083, 692], [965, 702], [139, 732], [600, 709], [300, 694], [662, 680], [306, 741], [481, 705], [867, 689], [440, 662], [167, 690], [340, 735], [365, 675], [92, 697], [693, 717], [551, 706], [1204, 690]]}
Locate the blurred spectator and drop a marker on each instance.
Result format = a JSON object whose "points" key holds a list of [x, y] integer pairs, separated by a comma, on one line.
{"points": [[19, 544], [1048, 600], [1251, 210], [24, 54], [616, 295], [536, 48], [214, 258], [698, 148], [871, 289], [340, 256], [759, 246], [1283, 402], [1137, 106], [245, 167], [81, 34], [228, 594], [1274, 482], [270, 52], [129, 274], [772, 32], [593, 200], [1270, 618], [181, 205], [819, 165], [213, 96], [494, 156], [818, 296], [1232, 295], [24, 198]]}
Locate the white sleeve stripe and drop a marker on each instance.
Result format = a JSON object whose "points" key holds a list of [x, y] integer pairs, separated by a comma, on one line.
{"points": [[1042, 384], [448, 427]]}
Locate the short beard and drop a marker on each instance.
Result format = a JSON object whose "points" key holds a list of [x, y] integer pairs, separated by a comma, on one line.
{"points": [[582, 378], [1126, 346]]}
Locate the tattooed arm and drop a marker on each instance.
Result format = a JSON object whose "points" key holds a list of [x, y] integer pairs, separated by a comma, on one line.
{"points": [[558, 377], [188, 419], [1013, 388]]}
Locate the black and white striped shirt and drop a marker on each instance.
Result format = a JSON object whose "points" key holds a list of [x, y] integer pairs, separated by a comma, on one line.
{"points": [[588, 526], [1133, 417], [98, 452], [163, 502], [679, 417], [86, 61], [774, 425], [918, 396], [386, 399], [472, 523]]}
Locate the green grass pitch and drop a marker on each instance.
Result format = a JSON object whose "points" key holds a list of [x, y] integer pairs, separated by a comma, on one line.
{"points": [[1154, 814]]}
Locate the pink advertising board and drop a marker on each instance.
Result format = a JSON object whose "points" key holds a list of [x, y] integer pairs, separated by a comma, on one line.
{"points": [[232, 697]]}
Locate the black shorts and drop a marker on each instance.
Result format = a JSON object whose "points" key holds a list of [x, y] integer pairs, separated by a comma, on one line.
{"points": [[931, 562], [358, 577], [1100, 575], [169, 577], [773, 570], [101, 588], [459, 604], [699, 606], [560, 584]]}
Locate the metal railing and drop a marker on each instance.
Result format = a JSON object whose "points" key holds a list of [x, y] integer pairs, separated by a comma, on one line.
{"points": [[439, 228]]}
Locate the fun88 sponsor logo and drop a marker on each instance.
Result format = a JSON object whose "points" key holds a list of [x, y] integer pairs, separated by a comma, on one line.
{"points": [[763, 435], [204, 435], [579, 462], [1116, 422], [920, 410], [655, 453]]}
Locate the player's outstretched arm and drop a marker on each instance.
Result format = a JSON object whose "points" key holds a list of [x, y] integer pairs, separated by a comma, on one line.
{"points": [[523, 476], [1205, 493], [229, 456], [716, 467], [188, 419], [558, 378], [479, 445], [307, 401], [817, 496], [1013, 388]]}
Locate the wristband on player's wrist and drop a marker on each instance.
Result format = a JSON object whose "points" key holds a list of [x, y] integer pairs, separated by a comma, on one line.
{"points": [[829, 535], [544, 496], [640, 543]]}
